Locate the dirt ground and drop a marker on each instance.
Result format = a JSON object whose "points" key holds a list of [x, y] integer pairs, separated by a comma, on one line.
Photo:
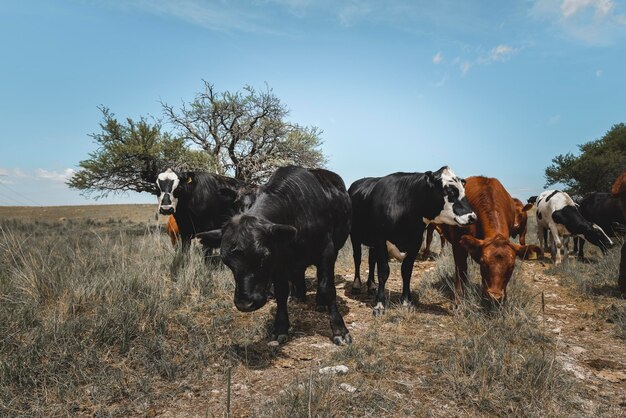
{"points": [[587, 347]]}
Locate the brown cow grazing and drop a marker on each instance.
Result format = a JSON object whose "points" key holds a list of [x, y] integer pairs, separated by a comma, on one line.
{"points": [[487, 241], [172, 230], [619, 190], [521, 218]]}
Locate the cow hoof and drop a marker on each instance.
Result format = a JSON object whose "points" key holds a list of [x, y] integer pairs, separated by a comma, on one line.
{"points": [[408, 305], [342, 340], [356, 291], [278, 340], [299, 299], [378, 310], [321, 308], [371, 291]]}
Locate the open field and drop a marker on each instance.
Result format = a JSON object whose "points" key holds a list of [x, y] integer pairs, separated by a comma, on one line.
{"points": [[94, 321]]}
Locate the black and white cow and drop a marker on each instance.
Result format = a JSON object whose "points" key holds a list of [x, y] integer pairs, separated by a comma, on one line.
{"points": [[300, 217], [603, 210], [198, 201], [396, 209], [557, 213]]}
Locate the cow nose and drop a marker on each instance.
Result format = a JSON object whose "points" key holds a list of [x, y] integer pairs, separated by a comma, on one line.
{"points": [[471, 218], [166, 209]]}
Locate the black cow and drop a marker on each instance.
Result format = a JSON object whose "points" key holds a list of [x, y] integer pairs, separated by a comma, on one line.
{"points": [[359, 194], [300, 217], [198, 201], [396, 209], [603, 210]]}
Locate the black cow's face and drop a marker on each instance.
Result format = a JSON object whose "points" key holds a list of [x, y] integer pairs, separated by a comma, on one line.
{"points": [[456, 210], [249, 246], [167, 182], [597, 237]]}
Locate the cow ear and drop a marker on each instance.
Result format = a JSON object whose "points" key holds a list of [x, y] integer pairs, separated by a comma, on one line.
{"points": [[283, 233], [211, 238], [527, 207], [430, 178], [526, 251], [227, 194], [184, 178], [474, 246]]}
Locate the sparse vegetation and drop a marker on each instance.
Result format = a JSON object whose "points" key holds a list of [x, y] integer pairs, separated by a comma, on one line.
{"points": [[93, 323]]}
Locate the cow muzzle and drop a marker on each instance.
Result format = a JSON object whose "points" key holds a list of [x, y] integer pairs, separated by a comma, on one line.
{"points": [[249, 303], [166, 209], [466, 219]]}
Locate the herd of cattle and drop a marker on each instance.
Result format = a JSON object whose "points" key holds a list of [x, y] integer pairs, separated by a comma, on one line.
{"points": [[268, 235]]}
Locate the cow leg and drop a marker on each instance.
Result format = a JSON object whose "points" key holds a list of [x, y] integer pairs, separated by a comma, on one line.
{"points": [[371, 261], [556, 245], [281, 320], [382, 261], [621, 281], [581, 248], [522, 237], [356, 255], [430, 229], [406, 271], [566, 242], [327, 294], [298, 282], [460, 271]]}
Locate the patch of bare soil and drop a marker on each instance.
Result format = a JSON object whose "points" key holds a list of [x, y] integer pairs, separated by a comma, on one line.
{"points": [[588, 346]]}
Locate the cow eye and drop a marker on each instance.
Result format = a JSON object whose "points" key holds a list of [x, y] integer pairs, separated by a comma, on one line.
{"points": [[463, 182]]}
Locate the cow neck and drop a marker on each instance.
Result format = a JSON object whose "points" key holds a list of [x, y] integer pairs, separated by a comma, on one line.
{"points": [[490, 209], [272, 210]]}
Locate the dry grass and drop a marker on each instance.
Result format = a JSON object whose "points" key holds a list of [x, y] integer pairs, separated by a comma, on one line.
{"points": [[93, 323]]}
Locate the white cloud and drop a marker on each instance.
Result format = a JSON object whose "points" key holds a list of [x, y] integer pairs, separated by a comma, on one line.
{"points": [[465, 67], [592, 22], [438, 58], [571, 7], [54, 175], [502, 53]]}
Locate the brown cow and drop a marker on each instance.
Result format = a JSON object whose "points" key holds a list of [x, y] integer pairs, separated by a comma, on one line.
{"points": [[487, 241], [619, 190], [521, 218], [172, 230]]}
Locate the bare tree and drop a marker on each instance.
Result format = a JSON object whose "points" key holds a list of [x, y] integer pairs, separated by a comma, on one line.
{"points": [[246, 132]]}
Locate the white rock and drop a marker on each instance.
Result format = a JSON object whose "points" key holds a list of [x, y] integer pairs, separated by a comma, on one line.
{"points": [[341, 369], [347, 387]]}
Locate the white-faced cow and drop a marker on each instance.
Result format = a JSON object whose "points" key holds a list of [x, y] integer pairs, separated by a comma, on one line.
{"points": [[198, 201], [300, 217], [396, 209], [557, 213]]}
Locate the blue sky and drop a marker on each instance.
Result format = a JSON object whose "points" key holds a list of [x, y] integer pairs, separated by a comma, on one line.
{"points": [[488, 87]]}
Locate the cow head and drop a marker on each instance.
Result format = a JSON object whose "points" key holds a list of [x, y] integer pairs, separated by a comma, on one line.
{"points": [[246, 196], [496, 257], [455, 210], [597, 237], [248, 247], [521, 215], [167, 182]]}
